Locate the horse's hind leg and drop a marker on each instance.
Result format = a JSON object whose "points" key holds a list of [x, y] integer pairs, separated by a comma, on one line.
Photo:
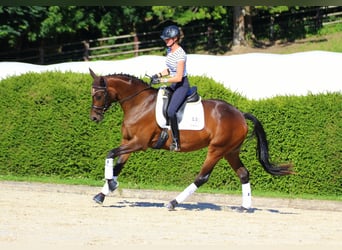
{"points": [[243, 174], [202, 177]]}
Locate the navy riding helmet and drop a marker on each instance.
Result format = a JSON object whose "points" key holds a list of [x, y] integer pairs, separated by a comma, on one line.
{"points": [[170, 32]]}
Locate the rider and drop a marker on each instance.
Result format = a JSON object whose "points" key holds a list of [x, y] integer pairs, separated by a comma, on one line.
{"points": [[176, 75]]}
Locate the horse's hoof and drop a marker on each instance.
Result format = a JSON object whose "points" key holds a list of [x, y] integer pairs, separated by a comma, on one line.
{"points": [[99, 198], [112, 185], [171, 205]]}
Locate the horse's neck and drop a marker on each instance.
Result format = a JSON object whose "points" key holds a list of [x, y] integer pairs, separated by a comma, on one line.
{"points": [[145, 100]]}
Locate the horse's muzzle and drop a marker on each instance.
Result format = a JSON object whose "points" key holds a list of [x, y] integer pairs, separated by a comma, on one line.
{"points": [[96, 117]]}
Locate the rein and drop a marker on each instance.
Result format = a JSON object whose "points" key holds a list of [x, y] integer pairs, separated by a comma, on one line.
{"points": [[134, 95], [104, 89]]}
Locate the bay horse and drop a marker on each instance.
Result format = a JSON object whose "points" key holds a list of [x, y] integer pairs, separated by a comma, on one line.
{"points": [[223, 134]]}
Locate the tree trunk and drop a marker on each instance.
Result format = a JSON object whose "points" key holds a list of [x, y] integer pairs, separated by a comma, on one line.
{"points": [[248, 21], [239, 26], [41, 52]]}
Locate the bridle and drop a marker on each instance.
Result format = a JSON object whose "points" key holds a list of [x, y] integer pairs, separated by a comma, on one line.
{"points": [[98, 89]]}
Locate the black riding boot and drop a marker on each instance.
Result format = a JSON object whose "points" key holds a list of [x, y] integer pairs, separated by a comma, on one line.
{"points": [[175, 146]]}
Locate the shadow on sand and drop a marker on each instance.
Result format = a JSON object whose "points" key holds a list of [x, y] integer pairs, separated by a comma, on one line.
{"points": [[200, 206]]}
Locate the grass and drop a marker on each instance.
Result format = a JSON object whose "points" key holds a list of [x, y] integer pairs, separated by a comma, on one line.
{"points": [[324, 41], [332, 43]]}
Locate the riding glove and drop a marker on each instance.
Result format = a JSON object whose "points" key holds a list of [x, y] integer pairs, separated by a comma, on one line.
{"points": [[155, 79]]}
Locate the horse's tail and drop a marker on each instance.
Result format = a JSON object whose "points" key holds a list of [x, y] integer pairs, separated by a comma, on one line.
{"points": [[262, 149]]}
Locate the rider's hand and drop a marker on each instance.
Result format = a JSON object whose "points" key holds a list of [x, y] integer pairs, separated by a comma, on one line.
{"points": [[155, 79]]}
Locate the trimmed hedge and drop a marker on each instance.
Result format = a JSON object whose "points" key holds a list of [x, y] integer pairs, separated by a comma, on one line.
{"points": [[46, 131]]}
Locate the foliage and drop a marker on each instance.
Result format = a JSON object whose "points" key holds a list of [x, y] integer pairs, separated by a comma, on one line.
{"points": [[183, 15], [275, 9], [65, 21], [17, 23], [46, 131], [25, 27]]}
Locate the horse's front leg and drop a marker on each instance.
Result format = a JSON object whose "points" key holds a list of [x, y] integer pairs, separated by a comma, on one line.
{"points": [[111, 175]]}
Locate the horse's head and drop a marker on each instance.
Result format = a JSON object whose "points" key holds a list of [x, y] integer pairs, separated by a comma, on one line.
{"points": [[120, 88], [100, 99]]}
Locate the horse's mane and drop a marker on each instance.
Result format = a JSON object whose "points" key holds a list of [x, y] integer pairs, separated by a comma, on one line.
{"points": [[128, 77]]}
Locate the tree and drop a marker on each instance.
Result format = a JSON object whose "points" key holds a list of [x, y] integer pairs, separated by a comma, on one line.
{"points": [[64, 24], [20, 25], [210, 28], [239, 26], [193, 20], [183, 15]]}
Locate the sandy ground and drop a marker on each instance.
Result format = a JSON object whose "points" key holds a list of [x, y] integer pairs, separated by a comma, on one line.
{"points": [[35, 215]]}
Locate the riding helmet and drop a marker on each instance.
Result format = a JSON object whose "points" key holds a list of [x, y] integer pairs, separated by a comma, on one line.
{"points": [[170, 32]]}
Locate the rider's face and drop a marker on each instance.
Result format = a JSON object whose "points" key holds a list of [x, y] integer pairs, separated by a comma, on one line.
{"points": [[170, 41]]}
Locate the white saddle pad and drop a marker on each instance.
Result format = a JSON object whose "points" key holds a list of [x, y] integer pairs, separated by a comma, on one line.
{"points": [[193, 117]]}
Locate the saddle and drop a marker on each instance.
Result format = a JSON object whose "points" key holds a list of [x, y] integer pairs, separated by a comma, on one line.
{"points": [[191, 96], [190, 115]]}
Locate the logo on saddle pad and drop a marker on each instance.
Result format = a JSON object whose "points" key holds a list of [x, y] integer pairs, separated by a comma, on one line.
{"points": [[190, 115]]}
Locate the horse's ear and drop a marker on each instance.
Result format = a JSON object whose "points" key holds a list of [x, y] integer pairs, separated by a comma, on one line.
{"points": [[92, 73]]}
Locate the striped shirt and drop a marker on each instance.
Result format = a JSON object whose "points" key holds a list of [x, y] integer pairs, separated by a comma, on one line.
{"points": [[172, 58]]}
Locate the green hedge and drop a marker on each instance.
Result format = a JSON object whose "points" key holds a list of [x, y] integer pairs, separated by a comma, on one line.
{"points": [[46, 131]]}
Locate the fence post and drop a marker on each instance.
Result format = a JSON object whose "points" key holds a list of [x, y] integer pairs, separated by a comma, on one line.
{"points": [[86, 50], [318, 19], [136, 45], [41, 53]]}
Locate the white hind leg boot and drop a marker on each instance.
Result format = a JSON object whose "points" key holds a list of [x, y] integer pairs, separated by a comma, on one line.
{"points": [[246, 196]]}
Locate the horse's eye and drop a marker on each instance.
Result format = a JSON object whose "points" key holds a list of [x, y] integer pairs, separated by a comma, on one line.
{"points": [[98, 97]]}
